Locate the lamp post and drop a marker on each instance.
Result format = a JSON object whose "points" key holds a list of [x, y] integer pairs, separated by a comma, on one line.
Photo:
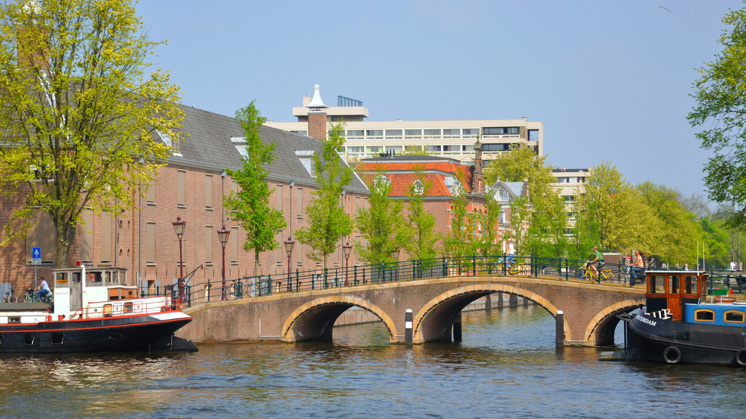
{"points": [[289, 243], [347, 248], [223, 234], [179, 226]]}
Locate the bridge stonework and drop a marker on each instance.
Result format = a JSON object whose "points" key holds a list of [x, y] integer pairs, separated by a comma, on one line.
{"points": [[589, 309]]}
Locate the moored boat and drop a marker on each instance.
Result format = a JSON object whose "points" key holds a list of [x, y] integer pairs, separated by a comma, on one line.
{"points": [[93, 310], [682, 324]]}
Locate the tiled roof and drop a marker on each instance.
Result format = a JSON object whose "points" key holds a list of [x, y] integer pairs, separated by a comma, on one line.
{"points": [[206, 140], [435, 170]]}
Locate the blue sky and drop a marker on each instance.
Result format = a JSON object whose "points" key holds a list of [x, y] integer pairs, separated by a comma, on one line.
{"points": [[610, 80]]}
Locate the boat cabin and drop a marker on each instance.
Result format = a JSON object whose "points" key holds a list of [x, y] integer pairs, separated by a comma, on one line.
{"points": [[672, 290], [75, 287]]}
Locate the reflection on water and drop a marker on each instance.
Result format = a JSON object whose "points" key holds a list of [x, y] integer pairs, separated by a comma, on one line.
{"points": [[506, 366]]}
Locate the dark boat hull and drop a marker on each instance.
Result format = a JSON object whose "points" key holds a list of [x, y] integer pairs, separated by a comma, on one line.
{"points": [[152, 332], [666, 341]]}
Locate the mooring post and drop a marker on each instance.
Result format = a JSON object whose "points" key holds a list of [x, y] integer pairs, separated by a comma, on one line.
{"points": [[559, 339], [457, 328], [408, 327]]}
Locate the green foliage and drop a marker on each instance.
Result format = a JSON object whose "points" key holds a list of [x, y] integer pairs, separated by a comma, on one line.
{"points": [[250, 206], [515, 166], [328, 221], [616, 209], [423, 237], [489, 222], [720, 110], [381, 224], [79, 107]]}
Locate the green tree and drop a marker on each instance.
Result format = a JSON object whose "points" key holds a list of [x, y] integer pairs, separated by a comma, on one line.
{"points": [[424, 238], [381, 224], [676, 231], [720, 110], [615, 207], [490, 225], [328, 221], [79, 109], [250, 206], [543, 215]]}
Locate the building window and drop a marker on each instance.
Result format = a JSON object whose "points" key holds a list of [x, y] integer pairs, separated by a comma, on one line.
{"points": [[451, 132], [377, 133], [355, 133], [208, 192], [299, 202], [106, 238], [86, 243], [150, 243], [394, 149], [209, 239], [233, 238], [355, 149], [470, 132], [393, 133], [278, 197], [433, 148], [374, 149], [432, 133], [300, 132], [150, 193], [412, 133], [181, 189]]}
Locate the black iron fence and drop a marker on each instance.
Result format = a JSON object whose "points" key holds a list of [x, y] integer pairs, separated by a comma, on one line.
{"points": [[561, 269]]}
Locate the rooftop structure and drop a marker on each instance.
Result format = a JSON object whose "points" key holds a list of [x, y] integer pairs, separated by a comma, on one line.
{"points": [[447, 138]]}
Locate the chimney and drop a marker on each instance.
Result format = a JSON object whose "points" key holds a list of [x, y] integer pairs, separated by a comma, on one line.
{"points": [[317, 116], [478, 178]]}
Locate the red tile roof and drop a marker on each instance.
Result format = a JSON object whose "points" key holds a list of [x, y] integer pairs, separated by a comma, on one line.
{"points": [[402, 177]]}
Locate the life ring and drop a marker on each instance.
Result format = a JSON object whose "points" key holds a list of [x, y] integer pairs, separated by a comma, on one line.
{"points": [[741, 357], [672, 355]]}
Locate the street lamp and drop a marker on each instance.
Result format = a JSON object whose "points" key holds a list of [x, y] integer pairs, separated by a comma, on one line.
{"points": [[347, 248], [179, 226], [289, 243], [223, 234]]}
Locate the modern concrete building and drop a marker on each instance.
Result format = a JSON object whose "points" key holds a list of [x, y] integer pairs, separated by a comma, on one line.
{"points": [[446, 138], [570, 184]]}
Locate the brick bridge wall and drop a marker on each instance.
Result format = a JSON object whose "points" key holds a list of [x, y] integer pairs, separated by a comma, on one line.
{"points": [[589, 309]]}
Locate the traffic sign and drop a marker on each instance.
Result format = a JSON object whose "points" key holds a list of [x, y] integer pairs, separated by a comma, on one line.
{"points": [[36, 255]]}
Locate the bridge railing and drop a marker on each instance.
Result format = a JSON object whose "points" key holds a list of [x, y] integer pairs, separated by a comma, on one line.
{"points": [[382, 273]]}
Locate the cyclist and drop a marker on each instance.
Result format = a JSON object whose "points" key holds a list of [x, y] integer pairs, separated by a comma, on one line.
{"points": [[511, 253], [597, 262], [42, 289]]}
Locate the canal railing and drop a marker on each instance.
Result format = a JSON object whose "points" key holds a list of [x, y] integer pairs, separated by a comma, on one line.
{"points": [[561, 269]]}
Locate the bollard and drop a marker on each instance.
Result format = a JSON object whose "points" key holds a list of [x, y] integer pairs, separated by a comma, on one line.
{"points": [[559, 334], [408, 327]]}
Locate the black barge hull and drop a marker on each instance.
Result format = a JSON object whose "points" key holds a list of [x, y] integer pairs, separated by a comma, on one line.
{"points": [[665, 341], [152, 332]]}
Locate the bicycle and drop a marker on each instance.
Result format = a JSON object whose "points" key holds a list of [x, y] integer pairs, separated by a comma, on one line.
{"points": [[587, 272], [513, 269]]}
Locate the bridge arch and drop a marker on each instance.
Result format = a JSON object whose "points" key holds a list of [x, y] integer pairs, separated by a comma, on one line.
{"points": [[434, 320], [315, 319], [600, 330]]}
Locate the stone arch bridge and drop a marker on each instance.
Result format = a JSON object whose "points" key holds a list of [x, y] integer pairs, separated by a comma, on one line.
{"points": [[586, 312]]}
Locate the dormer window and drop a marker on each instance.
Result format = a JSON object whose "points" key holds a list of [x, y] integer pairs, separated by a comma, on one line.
{"points": [[381, 180], [306, 159], [167, 140], [419, 187], [240, 144], [454, 186]]}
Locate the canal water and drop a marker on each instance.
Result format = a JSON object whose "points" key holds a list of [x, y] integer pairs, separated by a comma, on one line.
{"points": [[507, 366]]}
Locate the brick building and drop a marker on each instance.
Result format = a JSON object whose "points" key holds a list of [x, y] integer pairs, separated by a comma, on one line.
{"points": [[190, 186]]}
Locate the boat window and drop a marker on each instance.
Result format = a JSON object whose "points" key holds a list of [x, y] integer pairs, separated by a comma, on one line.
{"points": [[14, 319], [127, 308], [734, 316], [29, 338], [690, 285], [673, 284], [704, 316], [657, 284], [107, 310], [57, 338]]}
